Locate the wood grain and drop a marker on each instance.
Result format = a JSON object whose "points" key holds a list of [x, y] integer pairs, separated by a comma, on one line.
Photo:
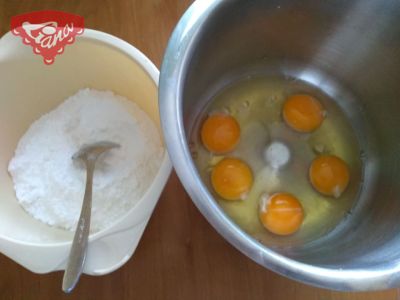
{"points": [[180, 256]]}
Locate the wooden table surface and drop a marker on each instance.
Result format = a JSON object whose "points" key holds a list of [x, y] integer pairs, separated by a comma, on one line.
{"points": [[180, 255]]}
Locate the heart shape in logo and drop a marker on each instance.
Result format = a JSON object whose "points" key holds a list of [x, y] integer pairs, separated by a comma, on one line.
{"points": [[47, 32]]}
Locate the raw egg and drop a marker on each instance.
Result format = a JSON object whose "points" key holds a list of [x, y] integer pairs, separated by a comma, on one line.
{"points": [[303, 113], [220, 133], [281, 213], [329, 175], [231, 179]]}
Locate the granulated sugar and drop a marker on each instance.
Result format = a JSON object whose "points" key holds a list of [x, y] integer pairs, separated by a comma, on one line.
{"points": [[50, 186]]}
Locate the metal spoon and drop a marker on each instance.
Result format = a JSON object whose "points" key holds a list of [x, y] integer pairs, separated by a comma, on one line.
{"points": [[88, 154]]}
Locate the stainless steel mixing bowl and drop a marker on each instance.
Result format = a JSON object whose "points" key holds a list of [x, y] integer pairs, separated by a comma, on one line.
{"points": [[350, 50]]}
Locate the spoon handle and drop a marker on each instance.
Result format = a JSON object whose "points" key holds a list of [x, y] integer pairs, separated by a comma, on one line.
{"points": [[79, 246]]}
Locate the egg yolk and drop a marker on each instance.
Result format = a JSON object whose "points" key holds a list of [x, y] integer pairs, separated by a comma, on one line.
{"points": [[329, 175], [231, 178], [281, 214], [303, 113], [220, 133]]}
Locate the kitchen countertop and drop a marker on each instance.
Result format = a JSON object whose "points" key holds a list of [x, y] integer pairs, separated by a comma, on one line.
{"points": [[180, 255]]}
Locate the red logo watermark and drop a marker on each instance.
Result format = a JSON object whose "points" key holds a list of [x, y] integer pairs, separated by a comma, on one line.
{"points": [[48, 31]]}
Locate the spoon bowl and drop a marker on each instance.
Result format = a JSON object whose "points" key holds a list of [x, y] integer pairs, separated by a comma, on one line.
{"points": [[94, 150]]}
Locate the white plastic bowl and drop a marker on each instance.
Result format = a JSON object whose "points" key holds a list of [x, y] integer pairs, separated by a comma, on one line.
{"points": [[28, 89]]}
